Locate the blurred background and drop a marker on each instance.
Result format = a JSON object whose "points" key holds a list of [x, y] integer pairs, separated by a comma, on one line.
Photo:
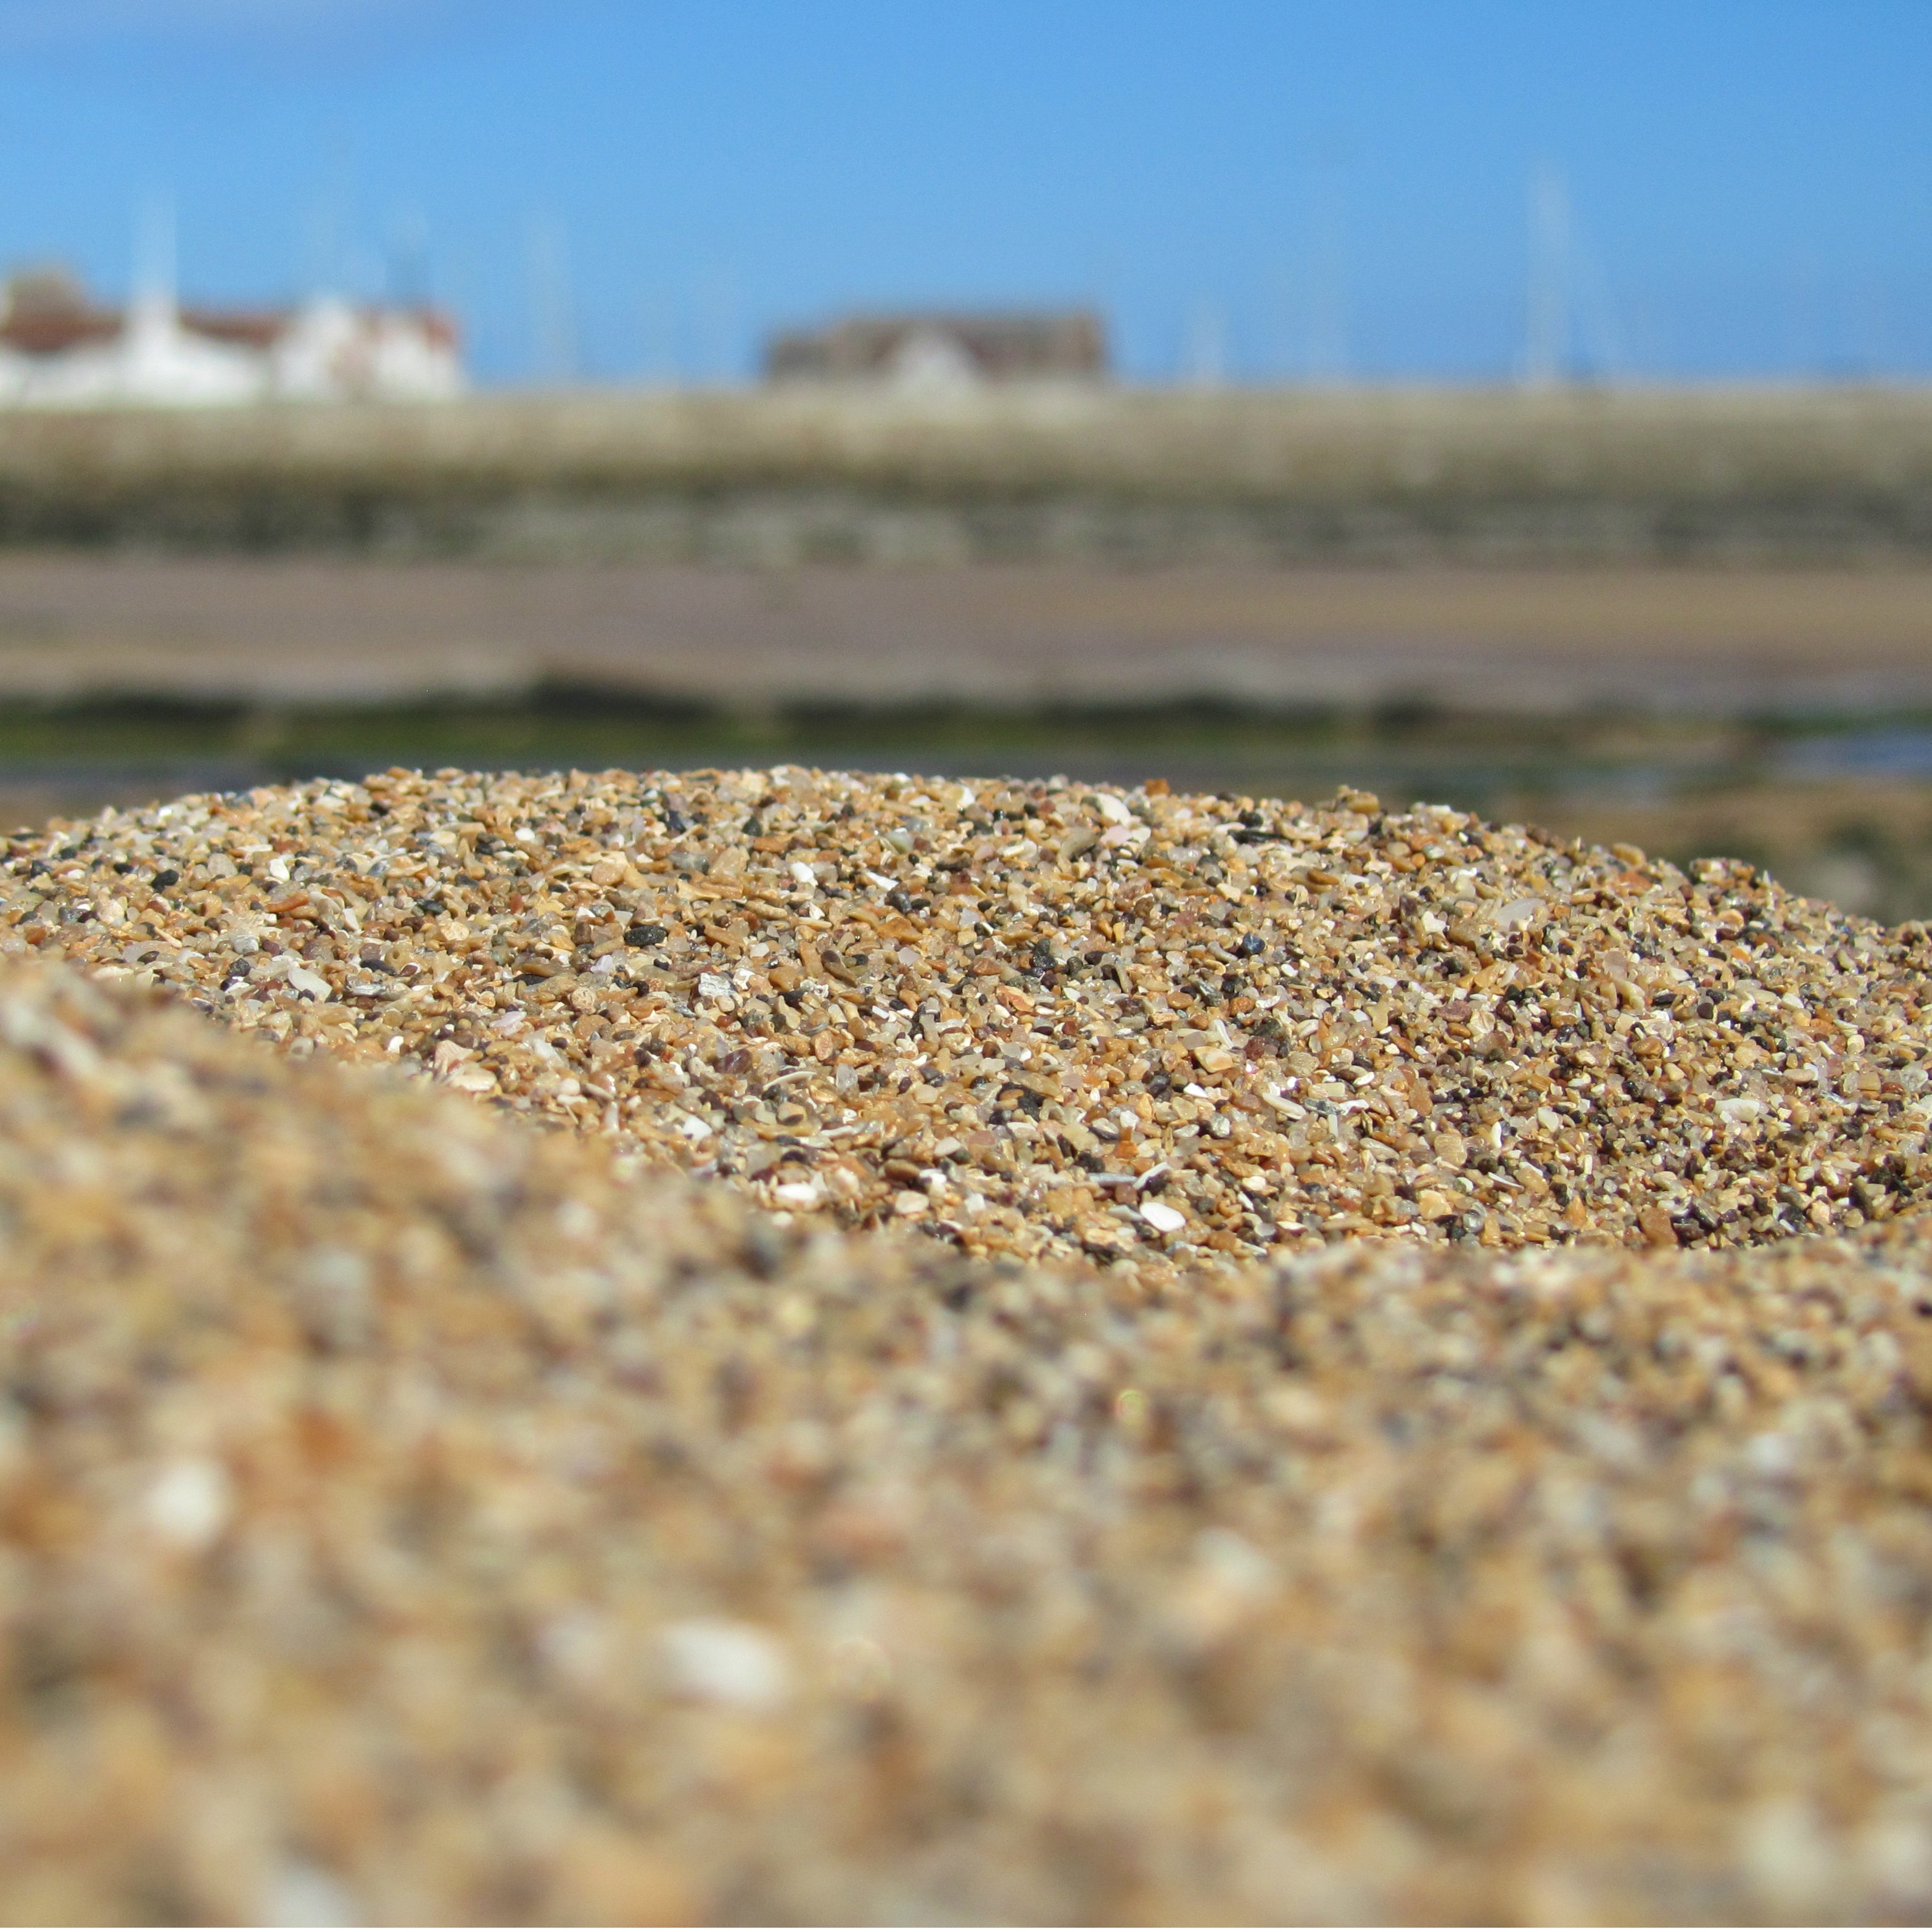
{"points": [[1520, 406]]}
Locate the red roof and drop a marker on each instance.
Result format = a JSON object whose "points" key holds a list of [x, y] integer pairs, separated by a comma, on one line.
{"points": [[46, 332], [45, 313]]}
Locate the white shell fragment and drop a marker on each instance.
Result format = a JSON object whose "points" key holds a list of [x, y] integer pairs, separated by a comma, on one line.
{"points": [[720, 1662], [190, 1502]]}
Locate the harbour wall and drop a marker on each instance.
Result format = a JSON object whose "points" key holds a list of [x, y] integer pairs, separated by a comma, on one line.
{"points": [[827, 474]]}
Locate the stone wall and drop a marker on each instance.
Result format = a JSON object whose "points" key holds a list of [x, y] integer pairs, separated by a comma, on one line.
{"points": [[1066, 473]]}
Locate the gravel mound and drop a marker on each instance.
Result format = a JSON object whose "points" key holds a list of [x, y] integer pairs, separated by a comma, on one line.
{"points": [[407, 1517], [1045, 1019]]}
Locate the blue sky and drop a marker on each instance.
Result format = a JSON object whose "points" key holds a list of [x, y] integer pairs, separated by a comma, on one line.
{"points": [[622, 186]]}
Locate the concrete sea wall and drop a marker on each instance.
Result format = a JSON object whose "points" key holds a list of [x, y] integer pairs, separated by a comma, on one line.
{"points": [[829, 474]]}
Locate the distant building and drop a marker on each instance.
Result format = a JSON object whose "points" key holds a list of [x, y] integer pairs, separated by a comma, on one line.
{"points": [[59, 350], [942, 351]]}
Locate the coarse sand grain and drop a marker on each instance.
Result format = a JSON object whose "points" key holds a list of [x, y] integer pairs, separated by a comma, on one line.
{"points": [[1048, 1019], [408, 1517]]}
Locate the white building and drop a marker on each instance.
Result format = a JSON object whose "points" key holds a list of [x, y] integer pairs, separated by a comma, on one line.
{"points": [[331, 349], [59, 352]]}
